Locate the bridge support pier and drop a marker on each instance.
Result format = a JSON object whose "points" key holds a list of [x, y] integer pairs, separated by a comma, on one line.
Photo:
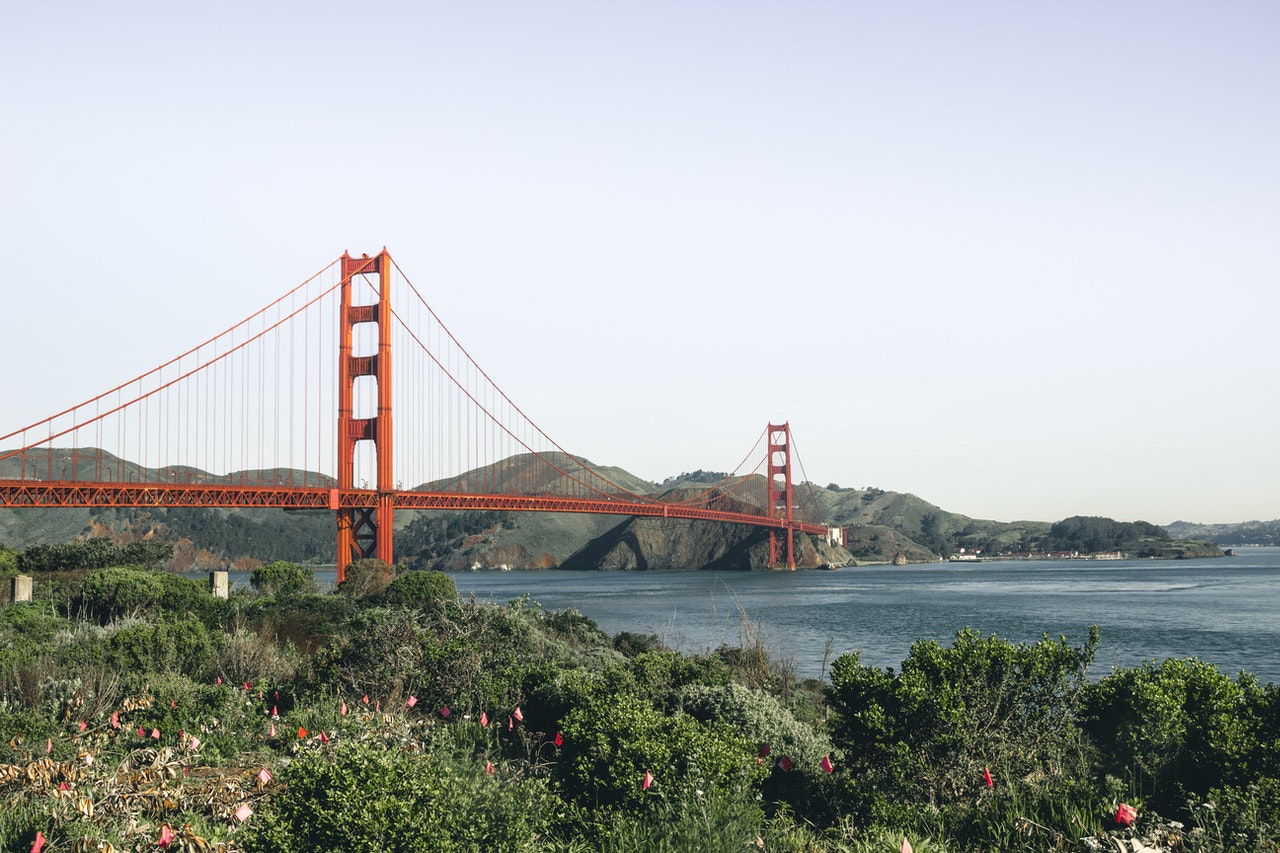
{"points": [[364, 531], [781, 494]]}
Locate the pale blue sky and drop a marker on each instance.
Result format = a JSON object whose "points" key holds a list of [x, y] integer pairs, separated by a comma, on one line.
{"points": [[1017, 258]]}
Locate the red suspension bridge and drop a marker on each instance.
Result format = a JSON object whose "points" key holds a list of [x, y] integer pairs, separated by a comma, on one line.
{"points": [[258, 402]]}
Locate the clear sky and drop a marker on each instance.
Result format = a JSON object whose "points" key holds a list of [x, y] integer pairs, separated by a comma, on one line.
{"points": [[1020, 259]]}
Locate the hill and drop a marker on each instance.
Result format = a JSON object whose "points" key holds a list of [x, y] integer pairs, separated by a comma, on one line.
{"points": [[1243, 533], [883, 526]]}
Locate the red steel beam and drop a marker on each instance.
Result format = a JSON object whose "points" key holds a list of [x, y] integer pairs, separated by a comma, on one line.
{"points": [[18, 494]]}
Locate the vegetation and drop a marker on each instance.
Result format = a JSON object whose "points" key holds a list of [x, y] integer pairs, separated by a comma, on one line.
{"points": [[395, 716]]}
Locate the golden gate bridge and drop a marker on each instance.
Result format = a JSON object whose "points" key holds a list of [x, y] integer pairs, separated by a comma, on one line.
{"points": [[307, 385]]}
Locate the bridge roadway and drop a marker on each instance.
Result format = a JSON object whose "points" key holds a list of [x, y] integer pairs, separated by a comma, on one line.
{"points": [[17, 494]]}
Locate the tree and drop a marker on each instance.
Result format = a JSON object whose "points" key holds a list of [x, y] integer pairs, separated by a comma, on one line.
{"points": [[369, 576]]}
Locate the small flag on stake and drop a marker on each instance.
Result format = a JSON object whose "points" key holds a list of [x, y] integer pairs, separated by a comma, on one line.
{"points": [[62, 786], [365, 699], [488, 768], [301, 732], [39, 845], [242, 813], [173, 703], [445, 712], [88, 759], [155, 734], [484, 720], [559, 740], [906, 846], [141, 731], [324, 738], [271, 732], [166, 836], [986, 777], [83, 725], [1126, 815], [218, 680], [764, 751], [275, 714], [648, 780], [48, 747], [511, 724], [785, 764], [115, 719], [518, 715], [248, 686], [264, 776], [411, 701], [342, 709], [826, 764], [195, 742]]}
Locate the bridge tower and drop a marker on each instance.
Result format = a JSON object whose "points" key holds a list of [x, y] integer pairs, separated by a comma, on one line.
{"points": [[364, 531], [781, 495]]}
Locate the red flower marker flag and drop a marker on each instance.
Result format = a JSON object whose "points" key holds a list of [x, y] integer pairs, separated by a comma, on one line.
{"points": [[986, 777], [906, 846], [484, 720], [445, 712], [141, 732], [785, 764], [518, 715], [511, 724], [166, 836], [559, 740], [275, 715], [115, 719], [826, 764], [1126, 815], [412, 700], [218, 680], [342, 709], [247, 686], [648, 780], [39, 845]]}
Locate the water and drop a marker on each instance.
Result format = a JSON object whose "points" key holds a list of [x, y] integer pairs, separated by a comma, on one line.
{"points": [[1223, 611]]}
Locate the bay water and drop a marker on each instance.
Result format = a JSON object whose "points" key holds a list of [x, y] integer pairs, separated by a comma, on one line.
{"points": [[1224, 611]]}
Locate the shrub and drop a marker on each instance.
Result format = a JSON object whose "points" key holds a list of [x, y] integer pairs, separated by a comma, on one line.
{"points": [[366, 577], [927, 732], [283, 578], [421, 589], [1177, 729], [359, 798], [171, 646], [123, 592], [610, 744]]}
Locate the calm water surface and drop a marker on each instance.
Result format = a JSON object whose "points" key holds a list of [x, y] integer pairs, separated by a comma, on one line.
{"points": [[1223, 611]]}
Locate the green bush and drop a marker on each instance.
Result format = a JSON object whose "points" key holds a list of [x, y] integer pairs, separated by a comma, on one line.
{"points": [[360, 798], [122, 592], [283, 578], [926, 733], [421, 589], [1177, 729], [170, 646], [611, 744], [366, 577]]}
